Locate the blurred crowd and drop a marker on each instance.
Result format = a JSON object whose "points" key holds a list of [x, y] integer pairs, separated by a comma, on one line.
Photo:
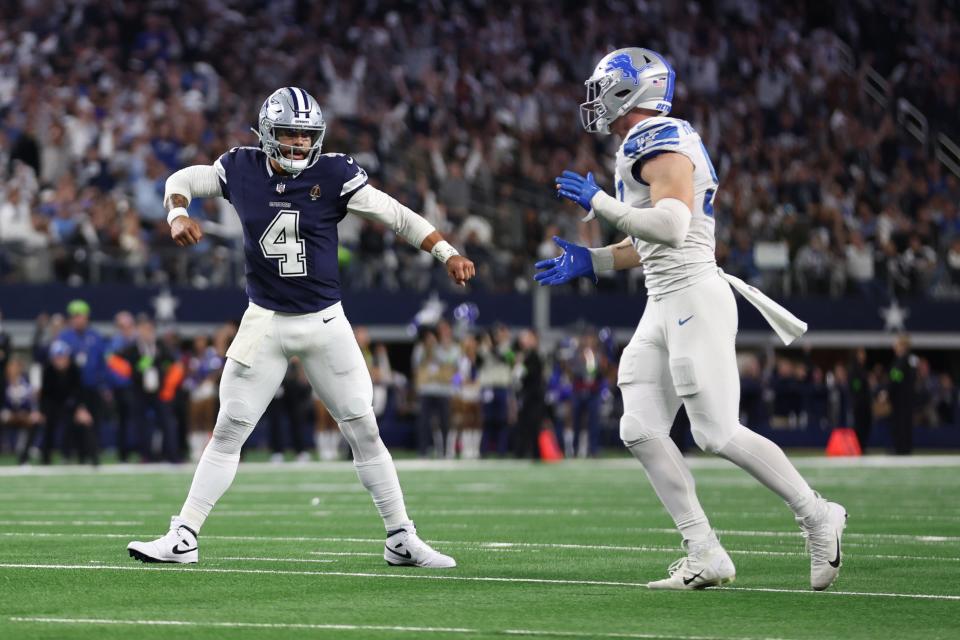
{"points": [[465, 111], [149, 394]]}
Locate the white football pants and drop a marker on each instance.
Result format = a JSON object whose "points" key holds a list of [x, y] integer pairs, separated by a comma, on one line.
{"points": [[684, 351], [256, 365]]}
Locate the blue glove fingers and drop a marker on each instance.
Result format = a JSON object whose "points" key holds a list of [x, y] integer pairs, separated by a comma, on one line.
{"points": [[544, 275], [552, 282], [563, 244], [550, 262], [564, 183], [569, 195], [573, 175]]}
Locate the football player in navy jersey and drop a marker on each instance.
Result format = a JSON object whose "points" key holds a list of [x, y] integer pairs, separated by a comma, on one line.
{"points": [[290, 198]]}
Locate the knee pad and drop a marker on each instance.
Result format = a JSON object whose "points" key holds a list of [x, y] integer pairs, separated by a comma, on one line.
{"points": [[712, 437], [363, 436], [354, 406], [234, 423], [634, 429]]}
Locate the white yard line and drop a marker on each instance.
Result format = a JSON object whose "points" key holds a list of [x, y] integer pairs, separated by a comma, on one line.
{"points": [[368, 627], [275, 559], [72, 523], [433, 576], [337, 510], [498, 547]]}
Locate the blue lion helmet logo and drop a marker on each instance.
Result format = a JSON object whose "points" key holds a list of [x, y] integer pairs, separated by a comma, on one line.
{"points": [[623, 62]]}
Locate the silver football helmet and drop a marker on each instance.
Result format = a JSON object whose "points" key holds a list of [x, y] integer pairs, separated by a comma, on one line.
{"points": [[626, 79], [294, 109]]}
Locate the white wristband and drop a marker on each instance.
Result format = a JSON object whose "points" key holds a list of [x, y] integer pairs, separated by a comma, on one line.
{"points": [[602, 259], [175, 213], [443, 251]]}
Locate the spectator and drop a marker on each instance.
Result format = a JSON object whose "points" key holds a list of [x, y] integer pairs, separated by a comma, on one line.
{"points": [[88, 350], [860, 265], [120, 380], [5, 351], [902, 394], [287, 413], [204, 364], [466, 406], [434, 362], [498, 358], [61, 395], [19, 410], [151, 360], [919, 264], [861, 394], [586, 373], [532, 396]]}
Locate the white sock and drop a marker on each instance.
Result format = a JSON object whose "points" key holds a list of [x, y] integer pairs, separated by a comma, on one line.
{"points": [[568, 451], [584, 444], [674, 485], [198, 440], [334, 444], [452, 443], [213, 477], [767, 462], [379, 476], [327, 445]]}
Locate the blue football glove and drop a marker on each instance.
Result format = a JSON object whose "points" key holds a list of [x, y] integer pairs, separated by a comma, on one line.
{"points": [[572, 263], [573, 186]]}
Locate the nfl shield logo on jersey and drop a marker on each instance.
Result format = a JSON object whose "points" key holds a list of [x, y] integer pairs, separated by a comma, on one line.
{"points": [[315, 192], [281, 187]]}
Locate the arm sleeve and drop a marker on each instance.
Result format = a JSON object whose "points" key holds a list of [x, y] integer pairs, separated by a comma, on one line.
{"points": [[198, 181], [667, 222], [373, 204]]}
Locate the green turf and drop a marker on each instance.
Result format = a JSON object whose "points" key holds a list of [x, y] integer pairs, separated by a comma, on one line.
{"points": [[498, 520]]}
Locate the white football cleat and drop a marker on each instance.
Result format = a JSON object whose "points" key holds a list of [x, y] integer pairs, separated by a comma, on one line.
{"points": [[405, 548], [706, 565], [178, 545], [823, 544]]}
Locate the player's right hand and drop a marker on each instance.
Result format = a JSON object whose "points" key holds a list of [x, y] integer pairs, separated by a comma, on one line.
{"points": [[573, 262], [185, 231]]}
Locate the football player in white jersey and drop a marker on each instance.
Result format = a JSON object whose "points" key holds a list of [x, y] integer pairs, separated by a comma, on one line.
{"points": [[683, 350]]}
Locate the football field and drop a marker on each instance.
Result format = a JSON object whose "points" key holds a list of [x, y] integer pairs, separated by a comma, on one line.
{"points": [[544, 551]]}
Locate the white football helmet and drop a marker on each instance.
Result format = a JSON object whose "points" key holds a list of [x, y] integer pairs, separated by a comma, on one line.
{"points": [[623, 80], [290, 108]]}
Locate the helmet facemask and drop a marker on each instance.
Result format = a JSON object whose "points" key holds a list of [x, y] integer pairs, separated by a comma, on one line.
{"points": [[291, 110], [593, 112], [281, 153]]}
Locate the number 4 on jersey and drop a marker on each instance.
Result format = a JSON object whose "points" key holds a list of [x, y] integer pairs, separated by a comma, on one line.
{"points": [[282, 240]]}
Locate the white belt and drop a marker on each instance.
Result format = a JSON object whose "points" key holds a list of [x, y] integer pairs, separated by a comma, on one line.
{"points": [[788, 326]]}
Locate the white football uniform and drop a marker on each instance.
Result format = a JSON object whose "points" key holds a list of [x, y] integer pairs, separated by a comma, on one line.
{"points": [[667, 269], [683, 349]]}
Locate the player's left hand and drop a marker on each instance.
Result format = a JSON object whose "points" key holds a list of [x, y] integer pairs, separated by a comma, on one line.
{"points": [[572, 186], [573, 262], [460, 269]]}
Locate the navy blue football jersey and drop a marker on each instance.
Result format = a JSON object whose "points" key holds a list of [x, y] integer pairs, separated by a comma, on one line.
{"points": [[290, 226]]}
